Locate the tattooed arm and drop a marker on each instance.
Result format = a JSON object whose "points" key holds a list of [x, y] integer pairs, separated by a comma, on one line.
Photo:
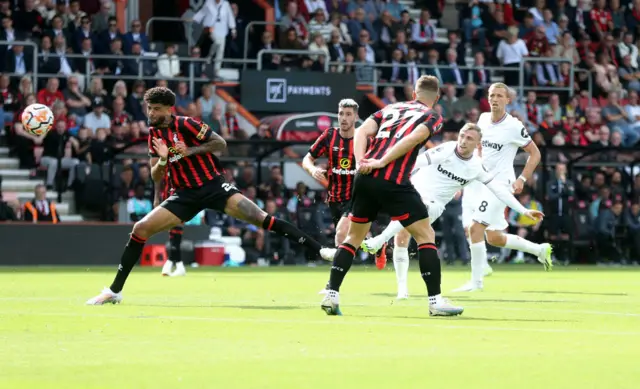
{"points": [[213, 144]]}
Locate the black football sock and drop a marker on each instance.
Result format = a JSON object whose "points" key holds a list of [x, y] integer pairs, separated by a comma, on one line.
{"points": [[341, 265], [175, 240], [430, 267], [130, 256], [290, 232]]}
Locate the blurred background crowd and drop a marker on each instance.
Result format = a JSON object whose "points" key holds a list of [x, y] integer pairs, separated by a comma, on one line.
{"points": [[573, 66]]}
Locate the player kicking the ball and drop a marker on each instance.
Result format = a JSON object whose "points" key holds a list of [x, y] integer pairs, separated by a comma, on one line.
{"points": [[483, 212], [185, 147], [382, 184], [438, 175]]}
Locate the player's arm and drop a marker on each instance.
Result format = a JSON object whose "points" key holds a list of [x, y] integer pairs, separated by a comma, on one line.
{"points": [[504, 194], [159, 153], [532, 161], [368, 129], [318, 149], [211, 142], [433, 156], [157, 194], [420, 134]]}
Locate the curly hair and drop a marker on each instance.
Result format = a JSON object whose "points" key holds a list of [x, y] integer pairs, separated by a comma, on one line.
{"points": [[160, 95]]}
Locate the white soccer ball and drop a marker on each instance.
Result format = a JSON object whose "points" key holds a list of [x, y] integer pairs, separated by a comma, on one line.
{"points": [[37, 119]]}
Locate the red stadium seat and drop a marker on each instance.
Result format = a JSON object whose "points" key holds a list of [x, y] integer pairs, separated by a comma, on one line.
{"points": [[153, 255]]}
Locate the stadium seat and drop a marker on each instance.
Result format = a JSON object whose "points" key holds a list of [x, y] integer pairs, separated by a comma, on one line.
{"points": [[153, 255]]}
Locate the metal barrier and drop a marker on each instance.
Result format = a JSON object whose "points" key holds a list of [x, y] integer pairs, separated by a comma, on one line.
{"points": [[301, 52], [246, 36], [35, 55], [189, 24], [543, 60]]}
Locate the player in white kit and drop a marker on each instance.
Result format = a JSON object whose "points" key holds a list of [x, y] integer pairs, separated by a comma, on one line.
{"points": [[482, 212], [438, 174]]}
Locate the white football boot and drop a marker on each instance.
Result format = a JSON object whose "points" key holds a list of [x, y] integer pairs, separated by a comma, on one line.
{"points": [[331, 303], [106, 297], [180, 270], [167, 267]]}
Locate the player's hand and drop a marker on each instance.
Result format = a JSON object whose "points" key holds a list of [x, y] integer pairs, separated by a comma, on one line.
{"points": [[182, 148], [161, 149], [517, 186], [457, 195], [535, 215], [370, 164], [319, 174]]}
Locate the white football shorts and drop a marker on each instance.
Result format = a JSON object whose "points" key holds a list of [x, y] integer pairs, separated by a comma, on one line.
{"points": [[434, 207], [481, 205]]}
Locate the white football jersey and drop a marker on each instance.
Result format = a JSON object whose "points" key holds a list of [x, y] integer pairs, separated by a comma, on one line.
{"points": [[500, 143], [441, 172]]}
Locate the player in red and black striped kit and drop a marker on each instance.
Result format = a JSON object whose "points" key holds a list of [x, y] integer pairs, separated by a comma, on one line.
{"points": [[163, 191], [382, 185], [185, 148], [337, 145]]}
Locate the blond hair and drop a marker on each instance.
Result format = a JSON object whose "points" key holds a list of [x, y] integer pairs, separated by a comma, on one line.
{"points": [[427, 86], [471, 127]]}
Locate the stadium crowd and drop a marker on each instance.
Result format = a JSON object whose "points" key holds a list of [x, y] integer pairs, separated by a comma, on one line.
{"points": [[95, 112]]}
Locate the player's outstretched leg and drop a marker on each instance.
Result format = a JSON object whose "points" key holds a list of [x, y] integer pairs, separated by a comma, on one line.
{"points": [[160, 219], [373, 245], [342, 262], [541, 251], [401, 262], [244, 209], [487, 270], [175, 254], [430, 269]]}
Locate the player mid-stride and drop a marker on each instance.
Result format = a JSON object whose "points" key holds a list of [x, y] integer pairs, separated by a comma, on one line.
{"points": [[382, 185], [438, 175], [185, 147], [483, 212]]}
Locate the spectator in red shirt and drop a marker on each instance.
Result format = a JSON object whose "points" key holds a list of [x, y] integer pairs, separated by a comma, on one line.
{"points": [[601, 19], [537, 42], [576, 139], [49, 95]]}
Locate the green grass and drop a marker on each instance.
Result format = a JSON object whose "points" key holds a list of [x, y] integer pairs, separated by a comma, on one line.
{"points": [[263, 328]]}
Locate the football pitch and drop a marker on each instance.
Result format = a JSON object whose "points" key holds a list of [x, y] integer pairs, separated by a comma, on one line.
{"points": [[575, 327]]}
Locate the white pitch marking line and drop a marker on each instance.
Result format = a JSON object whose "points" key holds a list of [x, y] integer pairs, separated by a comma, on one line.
{"points": [[325, 322]]}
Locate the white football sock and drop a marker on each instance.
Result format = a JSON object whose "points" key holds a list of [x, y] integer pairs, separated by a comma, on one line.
{"points": [[437, 299], [478, 259], [401, 265], [392, 229], [515, 242]]}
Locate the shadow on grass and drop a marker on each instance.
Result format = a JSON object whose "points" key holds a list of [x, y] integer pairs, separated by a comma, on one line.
{"points": [[578, 293], [247, 307], [463, 318]]}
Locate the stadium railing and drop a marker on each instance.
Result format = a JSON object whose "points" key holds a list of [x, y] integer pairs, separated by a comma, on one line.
{"points": [[247, 31], [523, 86], [300, 52]]}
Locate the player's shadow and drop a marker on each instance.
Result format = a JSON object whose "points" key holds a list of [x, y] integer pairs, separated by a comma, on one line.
{"points": [[476, 300], [464, 318], [578, 293], [251, 307]]}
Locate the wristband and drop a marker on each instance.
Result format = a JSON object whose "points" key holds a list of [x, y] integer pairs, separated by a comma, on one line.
{"points": [[522, 178], [162, 162]]}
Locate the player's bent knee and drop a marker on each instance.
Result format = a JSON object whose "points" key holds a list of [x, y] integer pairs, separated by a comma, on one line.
{"points": [[476, 231], [142, 229], [496, 238], [422, 231], [402, 239]]}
